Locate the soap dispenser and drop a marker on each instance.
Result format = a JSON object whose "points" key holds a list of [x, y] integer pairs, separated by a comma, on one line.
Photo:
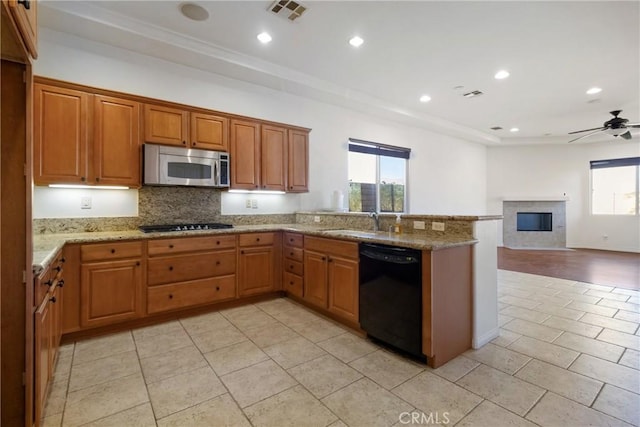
{"points": [[398, 226]]}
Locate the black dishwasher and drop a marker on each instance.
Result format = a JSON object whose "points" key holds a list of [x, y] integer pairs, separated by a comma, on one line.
{"points": [[391, 296]]}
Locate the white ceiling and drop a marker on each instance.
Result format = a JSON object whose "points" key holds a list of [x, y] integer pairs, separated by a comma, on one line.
{"points": [[554, 51]]}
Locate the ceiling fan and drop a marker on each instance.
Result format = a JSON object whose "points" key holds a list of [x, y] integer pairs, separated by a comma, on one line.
{"points": [[616, 127]]}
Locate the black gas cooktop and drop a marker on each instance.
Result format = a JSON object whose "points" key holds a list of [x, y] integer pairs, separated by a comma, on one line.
{"points": [[182, 227]]}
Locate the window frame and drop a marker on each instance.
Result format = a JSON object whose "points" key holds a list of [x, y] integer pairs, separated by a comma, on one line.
{"points": [[614, 163], [378, 150]]}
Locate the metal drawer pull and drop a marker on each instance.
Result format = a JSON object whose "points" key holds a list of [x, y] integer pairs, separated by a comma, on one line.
{"points": [[217, 262], [170, 246], [170, 296], [170, 268], [113, 251], [61, 283], [217, 288], [25, 3], [53, 299]]}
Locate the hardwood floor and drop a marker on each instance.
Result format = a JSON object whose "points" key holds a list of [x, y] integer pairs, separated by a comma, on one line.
{"points": [[620, 269]]}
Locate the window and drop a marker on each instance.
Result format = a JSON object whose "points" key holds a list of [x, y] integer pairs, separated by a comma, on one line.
{"points": [[614, 186], [377, 177]]}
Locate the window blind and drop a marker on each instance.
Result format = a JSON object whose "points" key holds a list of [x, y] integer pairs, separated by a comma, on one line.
{"points": [[369, 147], [614, 163]]}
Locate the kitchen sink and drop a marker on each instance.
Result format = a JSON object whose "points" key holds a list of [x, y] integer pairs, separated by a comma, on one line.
{"points": [[357, 233]]}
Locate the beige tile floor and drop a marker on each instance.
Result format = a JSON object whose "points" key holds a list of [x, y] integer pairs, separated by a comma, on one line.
{"points": [[567, 355]]}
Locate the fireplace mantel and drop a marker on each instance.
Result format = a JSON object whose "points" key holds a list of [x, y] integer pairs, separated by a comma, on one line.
{"points": [[536, 199]]}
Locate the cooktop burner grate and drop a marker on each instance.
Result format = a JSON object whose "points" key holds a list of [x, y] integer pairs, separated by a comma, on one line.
{"points": [[182, 227]]}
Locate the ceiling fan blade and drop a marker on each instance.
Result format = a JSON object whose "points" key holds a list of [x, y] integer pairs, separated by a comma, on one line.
{"points": [[635, 125], [589, 134], [626, 135], [586, 130]]}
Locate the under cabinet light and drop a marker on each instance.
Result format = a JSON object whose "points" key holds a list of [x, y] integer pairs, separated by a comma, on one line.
{"points": [[257, 191], [91, 187]]}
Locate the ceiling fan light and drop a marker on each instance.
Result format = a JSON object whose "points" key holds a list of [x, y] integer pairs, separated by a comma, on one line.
{"points": [[594, 90], [616, 131]]}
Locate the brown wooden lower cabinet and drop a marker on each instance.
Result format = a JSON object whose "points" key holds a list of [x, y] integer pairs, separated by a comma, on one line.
{"points": [[111, 292], [41, 356], [331, 276], [186, 294], [255, 270]]}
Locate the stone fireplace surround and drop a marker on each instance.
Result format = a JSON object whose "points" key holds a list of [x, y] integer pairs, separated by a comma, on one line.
{"points": [[555, 239]]}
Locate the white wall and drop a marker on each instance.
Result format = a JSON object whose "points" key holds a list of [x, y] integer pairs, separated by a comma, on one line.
{"points": [[446, 175], [65, 203], [557, 170]]}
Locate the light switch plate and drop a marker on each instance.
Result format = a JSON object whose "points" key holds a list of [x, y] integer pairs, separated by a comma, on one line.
{"points": [[437, 226], [85, 202], [316, 218], [248, 204], [418, 225], [254, 203]]}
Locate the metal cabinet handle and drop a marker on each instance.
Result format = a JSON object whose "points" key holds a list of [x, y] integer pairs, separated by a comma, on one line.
{"points": [[63, 260], [58, 268], [137, 263], [170, 246], [184, 142], [170, 268], [170, 296], [53, 299], [25, 3], [217, 242], [242, 252], [97, 179], [113, 251], [217, 262], [83, 179], [217, 288], [330, 259], [324, 258], [61, 283], [47, 283]]}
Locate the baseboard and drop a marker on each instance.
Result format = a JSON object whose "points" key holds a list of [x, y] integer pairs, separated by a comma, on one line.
{"points": [[478, 342]]}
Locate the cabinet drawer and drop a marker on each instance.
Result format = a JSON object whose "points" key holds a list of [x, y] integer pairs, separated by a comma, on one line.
{"points": [[294, 267], [186, 294], [190, 244], [190, 267], [293, 239], [332, 246], [293, 284], [109, 251], [256, 239], [296, 254]]}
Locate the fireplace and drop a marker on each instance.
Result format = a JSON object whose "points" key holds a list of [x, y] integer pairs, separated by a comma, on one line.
{"points": [[534, 221], [535, 224]]}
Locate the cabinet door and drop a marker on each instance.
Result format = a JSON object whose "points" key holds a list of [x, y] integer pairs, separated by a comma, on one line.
{"points": [[110, 292], [315, 278], [56, 325], [165, 125], [298, 162], [41, 356], [256, 270], [209, 132], [116, 141], [245, 155], [273, 151], [27, 23], [60, 135], [343, 288]]}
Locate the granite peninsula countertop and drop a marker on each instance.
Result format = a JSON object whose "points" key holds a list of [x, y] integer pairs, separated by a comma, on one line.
{"points": [[46, 246]]}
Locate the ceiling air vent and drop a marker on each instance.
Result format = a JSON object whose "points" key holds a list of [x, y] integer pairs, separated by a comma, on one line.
{"points": [[472, 94], [496, 128], [288, 9]]}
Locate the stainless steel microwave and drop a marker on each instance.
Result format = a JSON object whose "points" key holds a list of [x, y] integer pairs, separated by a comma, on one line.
{"points": [[185, 166]]}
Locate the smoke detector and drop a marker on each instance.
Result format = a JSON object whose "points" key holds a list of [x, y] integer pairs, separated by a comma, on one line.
{"points": [[288, 9]]}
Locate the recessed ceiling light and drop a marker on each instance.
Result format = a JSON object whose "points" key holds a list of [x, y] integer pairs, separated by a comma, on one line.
{"points": [[264, 37], [194, 12], [514, 130], [425, 98], [502, 74], [356, 41], [594, 90]]}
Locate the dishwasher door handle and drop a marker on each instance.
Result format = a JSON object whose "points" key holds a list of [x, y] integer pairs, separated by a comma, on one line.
{"points": [[394, 259]]}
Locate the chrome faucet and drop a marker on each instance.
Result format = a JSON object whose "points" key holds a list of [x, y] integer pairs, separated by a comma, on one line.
{"points": [[376, 220]]}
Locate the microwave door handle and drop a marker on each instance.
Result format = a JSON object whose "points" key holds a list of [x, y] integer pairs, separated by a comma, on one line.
{"points": [[216, 173]]}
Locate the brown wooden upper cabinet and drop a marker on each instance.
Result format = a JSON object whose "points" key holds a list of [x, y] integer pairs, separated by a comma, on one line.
{"points": [[298, 162], [174, 126], [80, 138], [25, 14], [258, 156]]}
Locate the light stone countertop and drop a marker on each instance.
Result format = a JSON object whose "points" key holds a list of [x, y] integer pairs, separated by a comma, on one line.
{"points": [[46, 246]]}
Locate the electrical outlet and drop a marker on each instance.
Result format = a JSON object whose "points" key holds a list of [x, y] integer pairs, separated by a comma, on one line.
{"points": [[437, 226], [316, 218], [85, 202], [248, 204], [254, 203], [418, 225]]}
